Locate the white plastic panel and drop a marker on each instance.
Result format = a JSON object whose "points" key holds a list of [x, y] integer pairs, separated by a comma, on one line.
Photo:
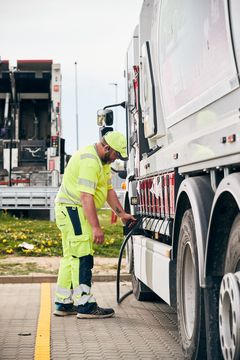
{"points": [[234, 6], [131, 69], [151, 265], [56, 125], [196, 56], [148, 104], [6, 158]]}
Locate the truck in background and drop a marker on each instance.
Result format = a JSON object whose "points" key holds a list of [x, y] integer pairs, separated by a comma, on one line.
{"points": [[183, 172], [31, 147]]}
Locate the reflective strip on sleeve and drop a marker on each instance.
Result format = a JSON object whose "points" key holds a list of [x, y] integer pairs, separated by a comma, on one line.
{"points": [[88, 183], [88, 156], [109, 182]]}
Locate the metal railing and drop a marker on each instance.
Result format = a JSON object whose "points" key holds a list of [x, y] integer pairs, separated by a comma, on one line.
{"points": [[35, 198], [28, 198]]}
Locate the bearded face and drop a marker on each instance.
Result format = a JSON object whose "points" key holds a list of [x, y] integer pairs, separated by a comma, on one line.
{"points": [[109, 156], [106, 159]]}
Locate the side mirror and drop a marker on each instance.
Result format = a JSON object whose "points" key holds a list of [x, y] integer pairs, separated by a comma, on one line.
{"points": [[103, 130], [105, 117]]}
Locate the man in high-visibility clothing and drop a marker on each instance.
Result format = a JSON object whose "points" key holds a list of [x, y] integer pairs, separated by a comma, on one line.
{"points": [[86, 186]]}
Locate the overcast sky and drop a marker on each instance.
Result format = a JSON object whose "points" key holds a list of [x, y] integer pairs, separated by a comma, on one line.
{"points": [[93, 33]]}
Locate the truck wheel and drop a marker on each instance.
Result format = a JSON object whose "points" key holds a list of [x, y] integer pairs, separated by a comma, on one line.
{"points": [[190, 307], [229, 297], [232, 260]]}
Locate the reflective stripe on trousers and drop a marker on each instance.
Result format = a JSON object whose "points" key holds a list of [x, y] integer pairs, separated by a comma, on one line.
{"points": [[80, 294]]}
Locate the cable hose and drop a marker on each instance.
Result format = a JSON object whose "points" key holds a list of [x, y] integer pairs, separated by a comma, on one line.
{"points": [[118, 298]]}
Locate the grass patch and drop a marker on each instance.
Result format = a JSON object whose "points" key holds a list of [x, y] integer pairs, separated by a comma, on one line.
{"points": [[46, 237]]}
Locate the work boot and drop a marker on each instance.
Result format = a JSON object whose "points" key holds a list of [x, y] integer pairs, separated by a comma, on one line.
{"points": [[65, 309], [93, 311]]}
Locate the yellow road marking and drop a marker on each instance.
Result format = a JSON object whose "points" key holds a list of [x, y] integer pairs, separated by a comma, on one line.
{"points": [[42, 345]]}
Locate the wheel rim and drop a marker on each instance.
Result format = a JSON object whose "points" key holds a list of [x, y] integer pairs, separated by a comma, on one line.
{"points": [[229, 316], [188, 291]]}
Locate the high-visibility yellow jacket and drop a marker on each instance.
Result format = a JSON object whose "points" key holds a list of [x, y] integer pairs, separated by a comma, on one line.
{"points": [[85, 173]]}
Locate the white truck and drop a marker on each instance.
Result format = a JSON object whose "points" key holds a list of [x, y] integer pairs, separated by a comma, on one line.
{"points": [[183, 177], [31, 148]]}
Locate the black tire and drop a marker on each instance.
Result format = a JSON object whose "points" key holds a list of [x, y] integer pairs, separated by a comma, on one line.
{"points": [[190, 304], [232, 259], [231, 265], [129, 256], [141, 291]]}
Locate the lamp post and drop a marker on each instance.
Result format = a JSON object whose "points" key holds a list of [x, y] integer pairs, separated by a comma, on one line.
{"points": [[116, 101], [76, 100]]}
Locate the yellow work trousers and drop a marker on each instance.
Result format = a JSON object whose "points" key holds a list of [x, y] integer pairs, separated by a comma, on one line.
{"points": [[75, 272]]}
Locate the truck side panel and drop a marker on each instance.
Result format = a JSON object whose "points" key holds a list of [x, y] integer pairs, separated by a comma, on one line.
{"points": [[188, 115]]}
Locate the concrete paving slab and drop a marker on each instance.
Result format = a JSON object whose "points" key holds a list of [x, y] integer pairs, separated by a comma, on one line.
{"points": [[140, 330], [18, 320]]}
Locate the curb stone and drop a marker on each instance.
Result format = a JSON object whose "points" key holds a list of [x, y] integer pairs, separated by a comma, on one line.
{"points": [[28, 279]]}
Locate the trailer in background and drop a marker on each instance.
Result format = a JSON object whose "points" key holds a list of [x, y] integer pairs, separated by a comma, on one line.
{"points": [[32, 155]]}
